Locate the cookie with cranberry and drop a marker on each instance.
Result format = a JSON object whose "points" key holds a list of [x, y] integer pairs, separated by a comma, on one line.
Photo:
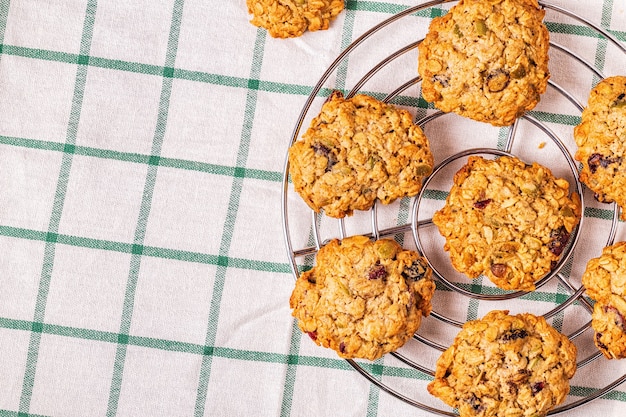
{"points": [[507, 220], [291, 18], [601, 141], [605, 281], [609, 323], [486, 60], [356, 151], [503, 365], [363, 298]]}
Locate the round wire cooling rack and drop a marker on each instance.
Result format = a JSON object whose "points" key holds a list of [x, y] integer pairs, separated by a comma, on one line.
{"points": [[559, 295]]}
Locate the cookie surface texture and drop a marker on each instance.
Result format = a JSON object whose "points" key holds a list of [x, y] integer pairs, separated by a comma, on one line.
{"points": [[486, 60], [605, 281], [503, 365], [507, 220], [291, 18], [356, 151], [601, 141], [362, 298]]}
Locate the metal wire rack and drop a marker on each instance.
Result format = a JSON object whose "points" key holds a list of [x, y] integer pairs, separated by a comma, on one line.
{"points": [[413, 222]]}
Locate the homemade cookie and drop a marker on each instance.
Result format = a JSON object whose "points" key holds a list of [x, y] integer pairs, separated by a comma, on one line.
{"points": [[486, 60], [363, 299], [358, 150], [507, 220], [609, 323], [291, 18], [605, 281], [601, 140], [505, 365]]}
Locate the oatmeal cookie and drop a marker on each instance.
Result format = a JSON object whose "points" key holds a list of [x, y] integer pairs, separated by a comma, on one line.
{"points": [[358, 150], [507, 220], [608, 322], [605, 281], [486, 60], [291, 18], [363, 299], [601, 140], [505, 365]]}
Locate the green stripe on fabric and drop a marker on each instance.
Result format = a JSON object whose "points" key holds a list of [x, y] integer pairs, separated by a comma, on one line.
{"points": [[476, 286], [563, 119], [229, 224], [163, 344], [503, 134], [435, 194], [598, 213], [57, 210], [164, 253], [409, 373], [4, 15], [391, 8], [144, 211], [605, 21], [7, 413], [274, 176], [472, 309], [187, 256], [371, 6], [578, 391], [294, 348], [290, 375]]}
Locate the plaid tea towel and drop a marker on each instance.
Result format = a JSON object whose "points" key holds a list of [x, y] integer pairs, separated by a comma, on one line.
{"points": [[143, 267]]}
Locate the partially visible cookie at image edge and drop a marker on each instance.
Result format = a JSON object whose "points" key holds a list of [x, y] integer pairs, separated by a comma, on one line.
{"points": [[291, 18], [363, 298]]}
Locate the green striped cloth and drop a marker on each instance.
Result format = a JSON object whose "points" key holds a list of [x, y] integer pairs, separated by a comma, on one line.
{"points": [[142, 265]]}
